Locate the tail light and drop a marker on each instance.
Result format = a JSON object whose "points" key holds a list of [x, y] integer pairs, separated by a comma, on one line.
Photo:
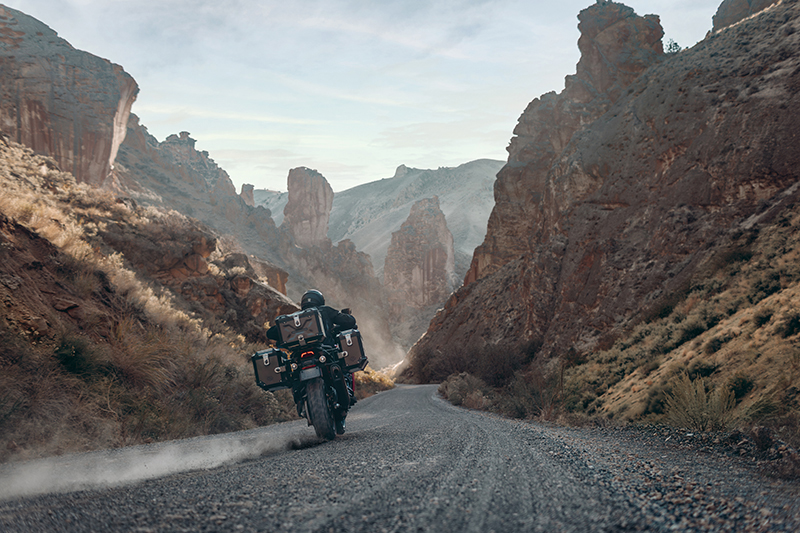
{"points": [[307, 354]]}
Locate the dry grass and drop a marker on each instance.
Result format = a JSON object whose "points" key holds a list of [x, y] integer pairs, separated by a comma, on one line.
{"points": [[735, 330], [369, 382], [690, 405], [136, 366]]}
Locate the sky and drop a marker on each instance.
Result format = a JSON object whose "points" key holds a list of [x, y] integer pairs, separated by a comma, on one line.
{"points": [[350, 88]]}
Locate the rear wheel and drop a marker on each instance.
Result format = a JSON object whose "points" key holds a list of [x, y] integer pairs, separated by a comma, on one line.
{"points": [[318, 410]]}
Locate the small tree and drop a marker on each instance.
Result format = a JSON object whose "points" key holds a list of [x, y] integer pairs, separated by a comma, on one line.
{"points": [[672, 47]]}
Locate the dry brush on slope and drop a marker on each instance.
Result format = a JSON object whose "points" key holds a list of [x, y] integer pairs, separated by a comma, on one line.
{"points": [[106, 338]]}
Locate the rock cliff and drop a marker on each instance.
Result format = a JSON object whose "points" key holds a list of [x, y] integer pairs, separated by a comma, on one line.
{"points": [[616, 46], [60, 101], [419, 264], [308, 207], [419, 273], [617, 189]]}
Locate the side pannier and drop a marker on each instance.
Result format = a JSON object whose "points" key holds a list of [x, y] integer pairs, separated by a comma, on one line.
{"points": [[268, 369], [300, 328], [352, 350]]}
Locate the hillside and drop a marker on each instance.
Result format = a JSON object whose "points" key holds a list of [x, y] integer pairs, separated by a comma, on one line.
{"points": [[620, 194], [119, 324]]}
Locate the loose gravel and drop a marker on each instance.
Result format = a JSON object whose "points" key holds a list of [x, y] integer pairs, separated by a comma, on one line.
{"points": [[411, 462]]}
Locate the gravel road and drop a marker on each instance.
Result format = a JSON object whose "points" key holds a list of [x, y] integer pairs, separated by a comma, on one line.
{"points": [[408, 462]]}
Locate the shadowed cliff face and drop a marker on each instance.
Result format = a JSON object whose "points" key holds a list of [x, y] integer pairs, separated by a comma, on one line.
{"points": [[59, 101], [419, 263], [419, 272], [607, 207]]}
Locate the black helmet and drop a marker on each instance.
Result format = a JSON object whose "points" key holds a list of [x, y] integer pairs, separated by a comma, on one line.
{"points": [[312, 298]]}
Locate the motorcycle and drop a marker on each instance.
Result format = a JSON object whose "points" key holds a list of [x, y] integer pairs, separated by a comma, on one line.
{"points": [[315, 371]]}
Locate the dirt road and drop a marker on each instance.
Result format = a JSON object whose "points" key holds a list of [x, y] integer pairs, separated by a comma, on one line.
{"points": [[408, 462]]}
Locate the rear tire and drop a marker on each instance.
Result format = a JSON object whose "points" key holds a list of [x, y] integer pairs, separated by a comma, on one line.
{"points": [[318, 410]]}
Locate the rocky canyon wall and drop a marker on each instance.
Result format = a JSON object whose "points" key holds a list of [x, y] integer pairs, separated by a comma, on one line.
{"points": [[419, 273], [419, 263], [59, 101], [618, 190]]}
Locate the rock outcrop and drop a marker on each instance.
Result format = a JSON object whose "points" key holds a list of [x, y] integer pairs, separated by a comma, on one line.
{"points": [[608, 207], [732, 11], [419, 272], [59, 101], [308, 207], [174, 175], [616, 46], [247, 194], [419, 264]]}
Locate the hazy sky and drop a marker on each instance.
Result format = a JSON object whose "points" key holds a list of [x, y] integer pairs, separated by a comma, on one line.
{"points": [[351, 88]]}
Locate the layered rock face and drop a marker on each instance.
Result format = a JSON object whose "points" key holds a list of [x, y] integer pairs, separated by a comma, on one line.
{"points": [[309, 207], [732, 11], [60, 101], [608, 206], [174, 175], [419, 264], [419, 271], [616, 46]]}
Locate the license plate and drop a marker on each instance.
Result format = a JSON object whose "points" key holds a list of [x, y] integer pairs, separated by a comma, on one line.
{"points": [[310, 373]]}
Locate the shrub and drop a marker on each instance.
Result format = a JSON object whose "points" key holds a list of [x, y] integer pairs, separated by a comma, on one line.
{"points": [[762, 317], [672, 47], [700, 368], [688, 331], [740, 384], [369, 382], [790, 326], [691, 406], [77, 355], [465, 389], [715, 343]]}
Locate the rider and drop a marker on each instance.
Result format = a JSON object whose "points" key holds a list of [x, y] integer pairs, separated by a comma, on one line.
{"points": [[330, 317]]}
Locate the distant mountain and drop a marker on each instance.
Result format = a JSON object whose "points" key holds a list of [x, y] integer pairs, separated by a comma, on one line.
{"points": [[369, 213]]}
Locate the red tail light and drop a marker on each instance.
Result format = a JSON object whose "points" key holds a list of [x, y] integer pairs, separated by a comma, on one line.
{"points": [[307, 354]]}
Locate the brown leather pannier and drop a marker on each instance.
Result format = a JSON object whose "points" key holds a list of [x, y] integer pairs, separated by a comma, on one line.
{"points": [[268, 369], [352, 350]]}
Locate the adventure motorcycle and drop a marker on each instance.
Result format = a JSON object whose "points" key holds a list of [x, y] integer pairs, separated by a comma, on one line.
{"points": [[315, 371]]}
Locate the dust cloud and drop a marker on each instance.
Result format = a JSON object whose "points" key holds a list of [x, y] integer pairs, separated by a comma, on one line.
{"points": [[111, 468]]}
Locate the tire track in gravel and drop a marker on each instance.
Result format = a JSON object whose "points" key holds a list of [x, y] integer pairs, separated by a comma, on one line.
{"points": [[408, 462]]}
